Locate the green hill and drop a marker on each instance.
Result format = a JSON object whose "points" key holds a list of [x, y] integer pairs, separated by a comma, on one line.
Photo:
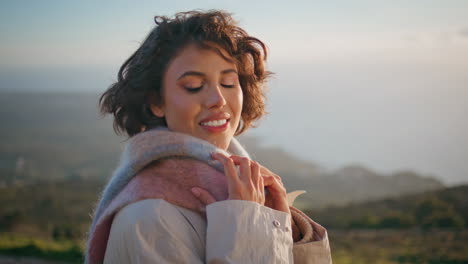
{"points": [[445, 208]]}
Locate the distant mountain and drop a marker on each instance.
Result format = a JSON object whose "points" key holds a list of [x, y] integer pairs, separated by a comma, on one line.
{"points": [[58, 136], [362, 184], [349, 184]]}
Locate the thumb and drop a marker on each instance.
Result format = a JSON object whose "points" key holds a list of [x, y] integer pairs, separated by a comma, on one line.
{"points": [[204, 196]]}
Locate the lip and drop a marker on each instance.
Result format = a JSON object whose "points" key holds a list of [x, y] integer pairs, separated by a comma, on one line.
{"points": [[217, 116]]}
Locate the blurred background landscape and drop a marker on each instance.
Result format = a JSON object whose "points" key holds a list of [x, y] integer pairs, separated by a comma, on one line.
{"points": [[368, 110]]}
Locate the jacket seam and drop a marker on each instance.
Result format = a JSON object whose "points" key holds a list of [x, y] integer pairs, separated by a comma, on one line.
{"points": [[193, 227]]}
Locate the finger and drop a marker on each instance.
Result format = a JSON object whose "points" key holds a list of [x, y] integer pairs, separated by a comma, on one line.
{"points": [[255, 168], [265, 171], [229, 166], [273, 184], [262, 184], [277, 198], [204, 196], [262, 188], [229, 170], [244, 167]]}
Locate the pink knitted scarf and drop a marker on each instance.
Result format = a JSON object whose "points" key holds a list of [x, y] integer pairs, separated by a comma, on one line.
{"points": [[160, 164]]}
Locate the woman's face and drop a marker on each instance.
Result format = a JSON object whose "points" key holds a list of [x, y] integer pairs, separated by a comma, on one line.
{"points": [[202, 96]]}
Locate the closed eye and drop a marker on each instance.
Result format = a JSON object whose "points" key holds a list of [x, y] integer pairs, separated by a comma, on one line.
{"points": [[227, 85], [193, 89]]}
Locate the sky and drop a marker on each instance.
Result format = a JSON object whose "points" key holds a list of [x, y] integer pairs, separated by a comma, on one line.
{"points": [[383, 84]]}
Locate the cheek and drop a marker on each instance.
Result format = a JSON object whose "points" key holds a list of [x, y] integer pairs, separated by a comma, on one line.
{"points": [[182, 110]]}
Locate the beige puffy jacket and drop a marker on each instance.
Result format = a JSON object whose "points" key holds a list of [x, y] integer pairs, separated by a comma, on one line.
{"points": [[236, 231]]}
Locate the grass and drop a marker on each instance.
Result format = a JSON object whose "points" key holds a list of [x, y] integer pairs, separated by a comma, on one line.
{"points": [[63, 250], [348, 247], [399, 246]]}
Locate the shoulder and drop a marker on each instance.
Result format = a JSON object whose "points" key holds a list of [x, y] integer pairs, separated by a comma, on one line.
{"points": [[150, 209], [150, 218], [152, 229]]}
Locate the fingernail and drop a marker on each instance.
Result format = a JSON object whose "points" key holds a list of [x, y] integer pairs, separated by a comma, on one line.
{"points": [[195, 191]]}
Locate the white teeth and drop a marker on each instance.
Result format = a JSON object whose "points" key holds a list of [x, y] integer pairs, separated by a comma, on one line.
{"points": [[214, 123]]}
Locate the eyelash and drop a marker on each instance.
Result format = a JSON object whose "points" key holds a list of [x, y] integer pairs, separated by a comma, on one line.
{"points": [[196, 89], [193, 90]]}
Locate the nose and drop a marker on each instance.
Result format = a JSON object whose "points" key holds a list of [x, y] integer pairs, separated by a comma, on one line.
{"points": [[215, 97]]}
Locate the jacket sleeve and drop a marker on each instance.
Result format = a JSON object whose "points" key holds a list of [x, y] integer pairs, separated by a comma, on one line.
{"points": [[313, 248], [246, 232]]}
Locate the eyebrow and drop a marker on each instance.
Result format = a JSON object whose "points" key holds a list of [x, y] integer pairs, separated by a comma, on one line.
{"points": [[201, 74]]}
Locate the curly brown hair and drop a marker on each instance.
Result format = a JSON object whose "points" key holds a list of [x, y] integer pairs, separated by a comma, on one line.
{"points": [[140, 78]]}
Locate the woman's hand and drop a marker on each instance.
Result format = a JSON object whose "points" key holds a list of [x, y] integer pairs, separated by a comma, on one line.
{"points": [[247, 186], [276, 197], [250, 186]]}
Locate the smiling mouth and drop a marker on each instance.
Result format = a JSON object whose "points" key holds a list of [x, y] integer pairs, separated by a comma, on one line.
{"points": [[215, 123]]}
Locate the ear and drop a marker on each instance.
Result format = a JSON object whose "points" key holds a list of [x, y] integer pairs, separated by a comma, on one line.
{"points": [[157, 110]]}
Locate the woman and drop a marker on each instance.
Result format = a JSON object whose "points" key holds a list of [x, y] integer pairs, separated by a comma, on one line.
{"points": [[185, 190]]}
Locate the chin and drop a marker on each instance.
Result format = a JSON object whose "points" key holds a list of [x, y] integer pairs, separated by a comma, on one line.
{"points": [[222, 144]]}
